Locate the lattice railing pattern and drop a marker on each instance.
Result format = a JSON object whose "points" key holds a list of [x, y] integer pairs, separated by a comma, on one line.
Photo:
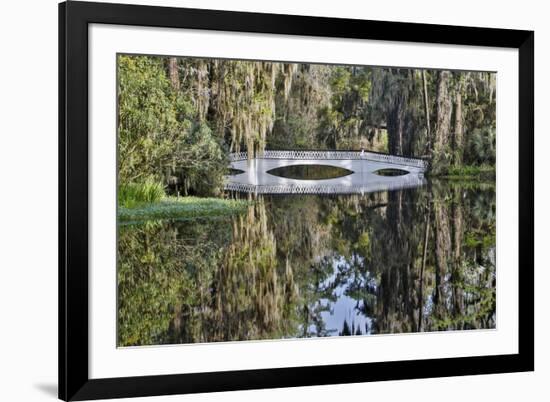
{"points": [[320, 189]]}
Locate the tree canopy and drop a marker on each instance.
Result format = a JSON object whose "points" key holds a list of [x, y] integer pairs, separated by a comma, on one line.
{"points": [[180, 117]]}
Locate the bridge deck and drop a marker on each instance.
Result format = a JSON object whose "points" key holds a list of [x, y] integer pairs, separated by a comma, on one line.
{"points": [[321, 155], [363, 179]]}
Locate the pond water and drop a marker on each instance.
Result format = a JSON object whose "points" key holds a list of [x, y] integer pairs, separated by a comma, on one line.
{"points": [[411, 260], [310, 172], [391, 172]]}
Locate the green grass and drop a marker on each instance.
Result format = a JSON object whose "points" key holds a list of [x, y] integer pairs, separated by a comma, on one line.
{"points": [[470, 172], [131, 195], [180, 208]]}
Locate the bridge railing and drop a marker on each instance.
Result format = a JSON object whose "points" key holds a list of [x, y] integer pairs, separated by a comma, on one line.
{"points": [[328, 155], [238, 156], [325, 189]]}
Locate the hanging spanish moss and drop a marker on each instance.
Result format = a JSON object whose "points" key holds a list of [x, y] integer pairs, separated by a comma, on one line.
{"points": [[197, 262]]}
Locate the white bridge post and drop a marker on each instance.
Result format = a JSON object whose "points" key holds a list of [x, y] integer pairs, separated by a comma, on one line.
{"points": [[252, 173]]}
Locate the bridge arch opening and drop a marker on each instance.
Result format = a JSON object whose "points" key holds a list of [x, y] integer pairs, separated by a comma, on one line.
{"points": [[391, 172], [234, 172], [310, 172]]}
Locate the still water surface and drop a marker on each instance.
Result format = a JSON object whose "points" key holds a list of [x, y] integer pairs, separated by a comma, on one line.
{"points": [[402, 261]]}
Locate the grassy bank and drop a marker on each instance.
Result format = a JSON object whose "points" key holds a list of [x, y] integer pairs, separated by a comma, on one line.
{"points": [[482, 172], [180, 208]]}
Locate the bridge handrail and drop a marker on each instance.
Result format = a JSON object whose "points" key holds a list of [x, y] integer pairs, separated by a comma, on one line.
{"points": [[297, 154], [319, 188]]}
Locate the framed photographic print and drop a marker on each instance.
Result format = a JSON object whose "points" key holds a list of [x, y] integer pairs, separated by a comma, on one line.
{"points": [[258, 200]]}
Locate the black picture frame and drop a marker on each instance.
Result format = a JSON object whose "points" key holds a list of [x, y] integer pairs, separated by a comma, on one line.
{"points": [[74, 381]]}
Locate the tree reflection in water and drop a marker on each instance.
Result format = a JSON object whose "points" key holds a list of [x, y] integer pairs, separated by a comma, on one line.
{"points": [[301, 266]]}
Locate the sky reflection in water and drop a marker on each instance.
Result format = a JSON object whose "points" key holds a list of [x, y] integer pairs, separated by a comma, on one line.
{"points": [[310, 265]]}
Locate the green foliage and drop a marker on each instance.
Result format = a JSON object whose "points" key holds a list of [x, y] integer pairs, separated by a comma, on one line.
{"points": [[152, 123], [396, 102], [343, 122], [276, 269], [472, 288], [149, 283], [486, 172], [131, 195], [162, 270], [271, 269], [157, 136], [478, 238], [363, 244], [203, 280], [382, 145], [340, 81], [179, 133], [205, 163], [180, 208], [240, 98], [481, 146], [295, 124]]}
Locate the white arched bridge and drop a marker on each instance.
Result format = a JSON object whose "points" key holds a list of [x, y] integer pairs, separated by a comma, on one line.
{"points": [[255, 176]]}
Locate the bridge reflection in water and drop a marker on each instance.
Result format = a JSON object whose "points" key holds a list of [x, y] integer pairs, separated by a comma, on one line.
{"points": [[364, 179]]}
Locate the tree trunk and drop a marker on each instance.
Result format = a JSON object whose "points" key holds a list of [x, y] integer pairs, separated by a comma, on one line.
{"points": [[426, 109], [174, 73], [443, 242], [203, 94], [458, 143], [443, 122], [423, 267], [396, 126], [458, 231]]}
